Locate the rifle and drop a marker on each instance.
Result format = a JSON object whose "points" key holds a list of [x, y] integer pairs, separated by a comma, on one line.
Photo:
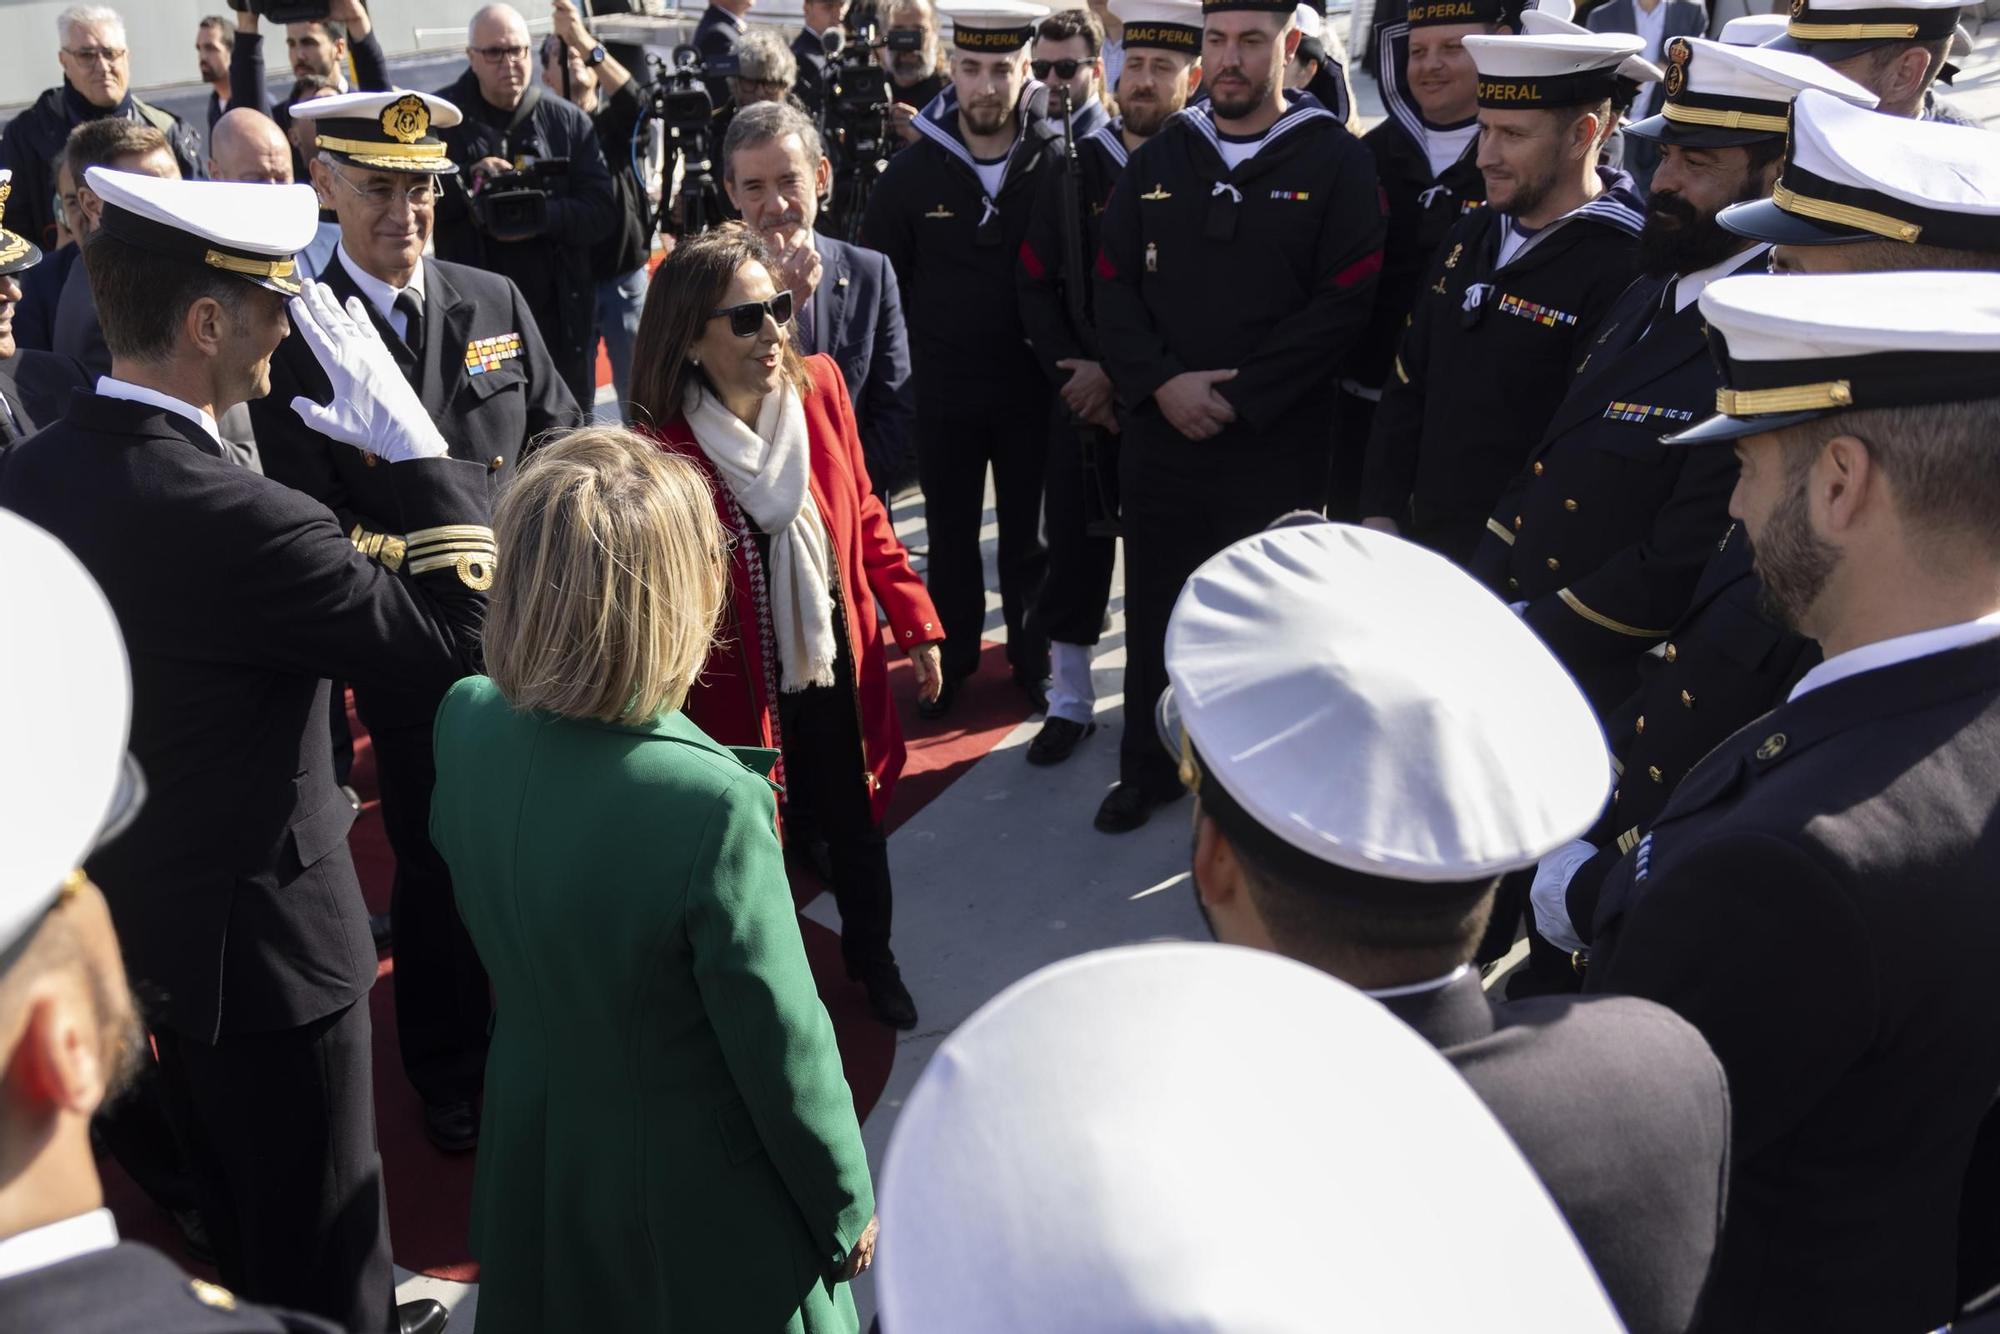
{"points": [[1100, 456]]}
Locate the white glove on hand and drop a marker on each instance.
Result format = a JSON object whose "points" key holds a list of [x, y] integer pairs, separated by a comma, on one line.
{"points": [[1549, 895], [374, 408]]}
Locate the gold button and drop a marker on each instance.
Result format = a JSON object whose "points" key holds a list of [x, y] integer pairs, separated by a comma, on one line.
{"points": [[499, 462], [368, 460], [1687, 700], [212, 1294], [1513, 584], [1640, 726], [1773, 744], [1614, 796], [1653, 772], [1538, 468], [1670, 653], [1517, 523], [1554, 564], [1570, 505]]}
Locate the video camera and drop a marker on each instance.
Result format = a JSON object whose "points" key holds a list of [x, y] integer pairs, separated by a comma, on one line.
{"points": [[858, 123], [677, 96], [285, 11], [514, 205]]}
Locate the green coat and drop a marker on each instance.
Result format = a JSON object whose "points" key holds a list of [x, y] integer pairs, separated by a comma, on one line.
{"points": [[668, 1142]]}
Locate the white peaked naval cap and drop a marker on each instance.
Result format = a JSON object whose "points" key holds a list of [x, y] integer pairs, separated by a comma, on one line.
{"points": [[1721, 96], [66, 711], [1752, 29], [1369, 705], [1200, 1138], [250, 230]]}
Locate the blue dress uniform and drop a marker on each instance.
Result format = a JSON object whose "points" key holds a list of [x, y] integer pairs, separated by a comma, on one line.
{"points": [[133, 1289], [477, 361], [1268, 268], [34, 386], [233, 892], [981, 397], [1817, 895]]}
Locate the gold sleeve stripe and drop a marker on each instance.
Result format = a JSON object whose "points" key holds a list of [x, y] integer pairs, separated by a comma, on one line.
{"points": [[1499, 530], [1401, 374], [1571, 601], [1617, 766], [1628, 840], [450, 530]]}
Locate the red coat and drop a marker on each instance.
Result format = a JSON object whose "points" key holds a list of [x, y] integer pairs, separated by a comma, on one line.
{"points": [[733, 702]]}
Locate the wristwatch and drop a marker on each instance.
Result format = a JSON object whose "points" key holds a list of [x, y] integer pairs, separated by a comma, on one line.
{"points": [[596, 56]]}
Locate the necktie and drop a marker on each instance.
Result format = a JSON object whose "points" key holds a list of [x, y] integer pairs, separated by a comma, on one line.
{"points": [[10, 423], [802, 328], [412, 309]]}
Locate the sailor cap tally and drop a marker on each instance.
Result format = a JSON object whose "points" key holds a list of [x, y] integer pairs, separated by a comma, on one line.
{"points": [[17, 252], [1342, 697], [1523, 73], [1852, 175], [1204, 1138], [1837, 29], [66, 710], [993, 27], [1721, 96], [1166, 25], [383, 131], [1794, 348], [1441, 13], [253, 231]]}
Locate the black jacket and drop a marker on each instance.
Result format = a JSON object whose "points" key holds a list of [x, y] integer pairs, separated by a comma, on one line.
{"points": [[1622, 1111], [1268, 269], [1043, 281], [33, 138], [233, 892], [857, 319], [1818, 899], [553, 270], [716, 34], [133, 1289], [1422, 208], [954, 251], [1606, 531], [630, 243], [38, 385], [41, 296], [1725, 662], [1485, 361], [815, 73]]}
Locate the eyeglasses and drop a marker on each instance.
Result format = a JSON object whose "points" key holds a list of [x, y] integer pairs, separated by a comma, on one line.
{"points": [[745, 320], [380, 194], [1063, 69], [496, 54], [97, 55]]}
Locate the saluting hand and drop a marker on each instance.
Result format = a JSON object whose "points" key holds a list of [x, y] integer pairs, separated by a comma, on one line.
{"points": [[929, 666], [1192, 406], [373, 408]]}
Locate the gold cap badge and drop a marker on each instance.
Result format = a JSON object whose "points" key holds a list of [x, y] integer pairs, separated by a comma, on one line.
{"points": [[407, 119], [1678, 55]]}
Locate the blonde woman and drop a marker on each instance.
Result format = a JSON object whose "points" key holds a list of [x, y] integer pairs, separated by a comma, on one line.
{"points": [[668, 1141]]}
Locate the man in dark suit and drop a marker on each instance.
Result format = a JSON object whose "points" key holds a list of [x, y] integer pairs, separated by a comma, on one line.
{"points": [[66, 1011], [467, 344], [818, 19], [34, 386], [1817, 896], [1659, 22], [1296, 644], [716, 33], [775, 170], [233, 892]]}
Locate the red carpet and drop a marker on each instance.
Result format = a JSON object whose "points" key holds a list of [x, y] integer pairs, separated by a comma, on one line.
{"points": [[430, 1193]]}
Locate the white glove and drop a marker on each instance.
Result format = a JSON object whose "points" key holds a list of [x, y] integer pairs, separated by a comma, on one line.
{"points": [[1549, 895], [374, 408]]}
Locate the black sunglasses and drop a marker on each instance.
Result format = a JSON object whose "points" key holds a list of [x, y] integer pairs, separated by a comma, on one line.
{"points": [[1063, 69], [745, 320]]}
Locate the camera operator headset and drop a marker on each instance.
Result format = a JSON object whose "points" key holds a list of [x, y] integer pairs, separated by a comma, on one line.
{"points": [[533, 194]]}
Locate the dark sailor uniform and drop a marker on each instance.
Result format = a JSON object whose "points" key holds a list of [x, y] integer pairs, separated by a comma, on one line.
{"points": [[1486, 360], [1073, 599], [1605, 532], [133, 1289], [1268, 269], [981, 396]]}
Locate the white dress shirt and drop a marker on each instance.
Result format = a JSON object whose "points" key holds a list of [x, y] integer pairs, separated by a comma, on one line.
{"points": [[380, 295], [1651, 26], [1903, 648], [53, 1243], [1688, 287], [138, 393]]}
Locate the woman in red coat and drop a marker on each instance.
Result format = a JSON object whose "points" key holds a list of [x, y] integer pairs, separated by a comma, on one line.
{"points": [[798, 664]]}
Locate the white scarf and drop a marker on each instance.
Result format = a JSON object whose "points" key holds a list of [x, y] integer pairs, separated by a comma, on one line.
{"points": [[767, 470]]}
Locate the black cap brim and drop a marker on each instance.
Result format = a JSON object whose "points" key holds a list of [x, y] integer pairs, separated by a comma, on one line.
{"points": [[1763, 220], [17, 252], [1720, 429], [1661, 130]]}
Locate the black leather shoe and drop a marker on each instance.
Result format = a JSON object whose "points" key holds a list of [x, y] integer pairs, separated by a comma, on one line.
{"points": [[887, 996], [1125, 808], [1057, 740], [1036, 688], [379, 926], [452, 1126], [939, 707], [426, 1316]]}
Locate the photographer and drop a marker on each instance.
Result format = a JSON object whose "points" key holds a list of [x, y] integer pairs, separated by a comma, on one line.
{"points": [[911, 54], [533, 194], [576, 66], [316, 48], [821, 18]]}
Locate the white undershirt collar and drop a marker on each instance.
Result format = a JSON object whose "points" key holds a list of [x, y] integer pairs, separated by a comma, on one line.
{"points": [[1903, 648], [1689, 286], [380, 295], [53, 1243], [111, 387]]}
